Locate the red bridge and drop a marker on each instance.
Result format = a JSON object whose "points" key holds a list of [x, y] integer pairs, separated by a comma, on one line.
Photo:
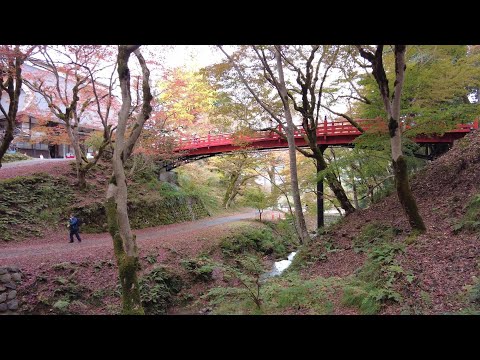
{"points": [[329, 134]]}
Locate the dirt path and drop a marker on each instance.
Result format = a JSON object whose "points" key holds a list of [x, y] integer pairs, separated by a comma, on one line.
{"points": [[54, 167], [93, 244], [32, 162]]}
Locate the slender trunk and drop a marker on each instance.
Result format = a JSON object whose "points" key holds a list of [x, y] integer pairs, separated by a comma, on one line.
{"points": [[81, 171], [292, 154], [320, 203], [402, 184], [339, 192], [399, 164], [273, 189], [405, 195], [124, 241], [271, 175], [230, 193], [297, 204], [13, 88]]}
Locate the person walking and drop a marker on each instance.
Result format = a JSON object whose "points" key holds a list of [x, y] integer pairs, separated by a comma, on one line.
{"points": [[74, 227]]}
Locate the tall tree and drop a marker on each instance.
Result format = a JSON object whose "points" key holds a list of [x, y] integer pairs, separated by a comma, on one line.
{"points": [[305, 63], [11, 80], [124, 241], [269, 62], [392, 107]]}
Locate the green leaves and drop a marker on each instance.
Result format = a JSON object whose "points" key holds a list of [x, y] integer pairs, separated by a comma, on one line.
{"points": [[438, 81], [157, 288]]}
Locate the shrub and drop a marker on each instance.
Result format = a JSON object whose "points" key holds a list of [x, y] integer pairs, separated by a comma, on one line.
{"points": [[373, 234], [201, 268], [471, 219], [374, 281], [289, 293], [253, 239], [157, 289], [474, 293], [61, 305], [15, 157]]}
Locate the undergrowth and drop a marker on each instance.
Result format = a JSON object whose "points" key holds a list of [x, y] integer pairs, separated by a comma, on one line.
{"points": [[31, 203]]}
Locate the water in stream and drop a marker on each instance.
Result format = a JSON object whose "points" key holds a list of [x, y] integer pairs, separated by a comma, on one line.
{"points": [[278, 267]]}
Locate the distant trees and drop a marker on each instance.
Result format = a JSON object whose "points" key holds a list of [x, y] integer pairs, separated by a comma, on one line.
{"points": [[311, 66], [74, 91], [12, 58], [267, 62], [258, 199], [236, 171]]}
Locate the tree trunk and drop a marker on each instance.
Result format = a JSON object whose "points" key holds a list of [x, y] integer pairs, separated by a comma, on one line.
{"points": [[7, 139], [299, 217], [334, 184], [339, 192], [13, 86], [405, 195], [81, 178], [273, 189], [230, 193], [127, 260], [320, 202], [74, 140], [124, 242], [399, 165], [292, 154]]}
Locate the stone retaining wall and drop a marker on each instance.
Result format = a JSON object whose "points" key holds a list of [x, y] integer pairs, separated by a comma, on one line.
{"points": [[9, 278]]}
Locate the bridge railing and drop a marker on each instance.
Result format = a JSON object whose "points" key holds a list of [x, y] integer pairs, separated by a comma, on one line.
{"points": [[325, 129]]}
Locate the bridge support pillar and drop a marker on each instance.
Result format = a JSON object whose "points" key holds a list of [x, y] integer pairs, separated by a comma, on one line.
{"points": [[320, 203]]}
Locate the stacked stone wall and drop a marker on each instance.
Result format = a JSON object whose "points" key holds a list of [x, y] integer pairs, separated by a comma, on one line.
{"points": [[10, 278]]}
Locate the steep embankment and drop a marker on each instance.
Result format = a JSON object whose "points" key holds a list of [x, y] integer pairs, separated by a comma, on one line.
{"points": [[434, 273]]}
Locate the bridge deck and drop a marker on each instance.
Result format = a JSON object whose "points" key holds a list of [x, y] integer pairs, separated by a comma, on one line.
{"points": [[337, 133]]}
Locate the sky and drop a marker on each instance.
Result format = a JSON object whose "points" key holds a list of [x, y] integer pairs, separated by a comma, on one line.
{"points": [[193, 57]]}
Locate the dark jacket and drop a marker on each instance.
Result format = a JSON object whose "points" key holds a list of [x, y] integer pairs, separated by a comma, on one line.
{"points": [[73, 224]]}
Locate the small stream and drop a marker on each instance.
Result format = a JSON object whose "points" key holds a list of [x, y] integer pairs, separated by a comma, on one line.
{"points": [[278, 267]]}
